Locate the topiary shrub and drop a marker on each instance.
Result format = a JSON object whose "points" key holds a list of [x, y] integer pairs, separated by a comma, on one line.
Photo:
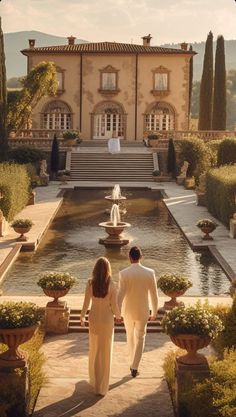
{"points": [[213, 149], [14, 187], [195, 151], [220, 192], [227, 152], [26, 154]]}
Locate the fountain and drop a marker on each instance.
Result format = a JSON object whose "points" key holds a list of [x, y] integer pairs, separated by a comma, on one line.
{"points": [[116, 198], [114, 228]]}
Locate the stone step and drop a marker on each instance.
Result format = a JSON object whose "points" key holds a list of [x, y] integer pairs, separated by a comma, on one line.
{"points": [[74, 323], [118, 167]]}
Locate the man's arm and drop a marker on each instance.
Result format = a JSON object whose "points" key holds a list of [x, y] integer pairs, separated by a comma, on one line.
{"points": [[154, 297], [121, 290]]}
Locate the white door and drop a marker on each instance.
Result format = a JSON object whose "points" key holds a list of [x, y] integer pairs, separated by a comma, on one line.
{"points": [[108, 125]]}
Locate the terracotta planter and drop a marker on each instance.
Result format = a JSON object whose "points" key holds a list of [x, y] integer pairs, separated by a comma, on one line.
{"points": [[192, 343], [55, 294], [69, 142], [169, 305], [14, 357], [22, 231], [206, 230]]}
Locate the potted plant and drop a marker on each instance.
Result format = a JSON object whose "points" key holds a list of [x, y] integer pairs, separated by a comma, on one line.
{"points": [[152, 139], [173, 285], [56, 284], [22, 226], [192, 328], [207, 226], [71, 137], [63, 175], [18, 323]]}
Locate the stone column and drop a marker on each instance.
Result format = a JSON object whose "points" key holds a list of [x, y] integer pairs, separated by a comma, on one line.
{"points": [[185, 377]]}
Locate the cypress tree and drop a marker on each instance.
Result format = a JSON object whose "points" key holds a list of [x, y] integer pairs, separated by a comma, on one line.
{"points": [[219, 98], [171, 158], [54, 160], [190, 78], [3, 99], [206, 89]]}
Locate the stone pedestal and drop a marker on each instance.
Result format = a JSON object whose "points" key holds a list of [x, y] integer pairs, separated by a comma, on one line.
{"points": [[232, 228], [201, 199], [57, 319], [14, 393], [185, 377], [180, 180], [4, 225]]}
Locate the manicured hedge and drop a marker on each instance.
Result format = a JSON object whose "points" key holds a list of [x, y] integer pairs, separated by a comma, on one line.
{"points": [[26, 154], [227, 152], [14, 186], [220, 192], [195, 151]]}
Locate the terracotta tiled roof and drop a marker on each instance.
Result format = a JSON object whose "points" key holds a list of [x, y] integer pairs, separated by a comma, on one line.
{"points": [[106, 47]]}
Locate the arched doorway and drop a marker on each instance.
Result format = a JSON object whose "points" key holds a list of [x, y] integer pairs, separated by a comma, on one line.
{"points": [[159, 116], [108, 120], [56, 115]]}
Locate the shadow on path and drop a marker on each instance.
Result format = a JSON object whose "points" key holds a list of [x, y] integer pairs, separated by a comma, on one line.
{"points": [[82, 398]]}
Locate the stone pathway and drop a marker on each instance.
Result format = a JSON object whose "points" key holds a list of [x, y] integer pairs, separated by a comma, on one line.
{"points": [[42, 213], [68, 393]]}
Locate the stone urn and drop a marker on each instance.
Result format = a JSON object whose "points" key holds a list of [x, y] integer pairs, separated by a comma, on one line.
{"points": [[14, 357], [172, 303], [207, 230], [22, 231], [192, 343], [56, 294]]}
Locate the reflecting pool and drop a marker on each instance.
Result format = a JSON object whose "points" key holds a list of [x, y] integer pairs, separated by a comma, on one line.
{"points": [[71, 244]]}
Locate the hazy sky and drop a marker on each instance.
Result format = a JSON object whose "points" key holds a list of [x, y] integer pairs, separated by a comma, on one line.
{"points": [[122, 20]]}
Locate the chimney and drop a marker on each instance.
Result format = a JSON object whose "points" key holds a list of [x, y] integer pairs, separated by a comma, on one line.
{"points": [[147, 40], [31, 43], [184, 46], [71, 40]]}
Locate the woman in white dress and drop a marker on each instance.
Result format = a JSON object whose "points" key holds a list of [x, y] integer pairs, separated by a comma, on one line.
{"points": [[102, 292]]}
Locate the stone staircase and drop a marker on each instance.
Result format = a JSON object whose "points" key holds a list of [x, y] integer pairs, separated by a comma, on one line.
{"points": [[75, 327], [103, 166]]}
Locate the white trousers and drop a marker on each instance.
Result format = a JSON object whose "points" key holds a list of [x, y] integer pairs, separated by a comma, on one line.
{"points": [[135, 332]]}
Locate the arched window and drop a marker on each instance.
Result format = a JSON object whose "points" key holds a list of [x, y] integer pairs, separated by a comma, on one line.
{"points": [[161, 116], [57, 116]]}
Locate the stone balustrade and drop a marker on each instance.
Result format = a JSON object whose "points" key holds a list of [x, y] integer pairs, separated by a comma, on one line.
{"points": [[41, 138]]}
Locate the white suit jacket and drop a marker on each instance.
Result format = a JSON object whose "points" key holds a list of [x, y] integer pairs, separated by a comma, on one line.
{"points": [[137, 288]]}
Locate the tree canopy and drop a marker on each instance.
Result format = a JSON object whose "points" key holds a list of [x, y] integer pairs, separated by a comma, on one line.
{"points": [[40, 81], [206, 89]]}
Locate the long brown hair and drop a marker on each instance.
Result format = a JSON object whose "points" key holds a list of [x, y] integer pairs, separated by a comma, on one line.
{"points": [[101, 277]]}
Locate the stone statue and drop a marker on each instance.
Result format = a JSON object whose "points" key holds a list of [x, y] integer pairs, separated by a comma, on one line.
{"points": [[201, 188], [201, 191], [183, 173], [44, 176]]}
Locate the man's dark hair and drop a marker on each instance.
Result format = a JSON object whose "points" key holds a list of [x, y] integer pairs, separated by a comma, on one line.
{"points": [[135, 253]]}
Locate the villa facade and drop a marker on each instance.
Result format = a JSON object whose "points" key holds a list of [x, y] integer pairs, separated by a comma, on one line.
{"points": [[112, 89]]}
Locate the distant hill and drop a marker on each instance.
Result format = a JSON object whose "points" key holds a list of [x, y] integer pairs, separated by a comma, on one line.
{"points": [[199, 47], [16, 41]]}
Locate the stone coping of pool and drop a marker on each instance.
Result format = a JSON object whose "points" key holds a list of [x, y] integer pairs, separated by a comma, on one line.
{"points": [[76, 301]]}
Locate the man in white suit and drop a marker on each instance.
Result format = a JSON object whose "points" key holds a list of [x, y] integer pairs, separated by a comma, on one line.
{"points": [[137, 287]]}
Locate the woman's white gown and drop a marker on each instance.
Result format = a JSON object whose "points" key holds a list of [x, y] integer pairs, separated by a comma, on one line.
{"points": [[101, 332]]}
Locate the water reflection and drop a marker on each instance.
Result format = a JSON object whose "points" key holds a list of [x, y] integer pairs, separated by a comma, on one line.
{"points": [[71, 244]]}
